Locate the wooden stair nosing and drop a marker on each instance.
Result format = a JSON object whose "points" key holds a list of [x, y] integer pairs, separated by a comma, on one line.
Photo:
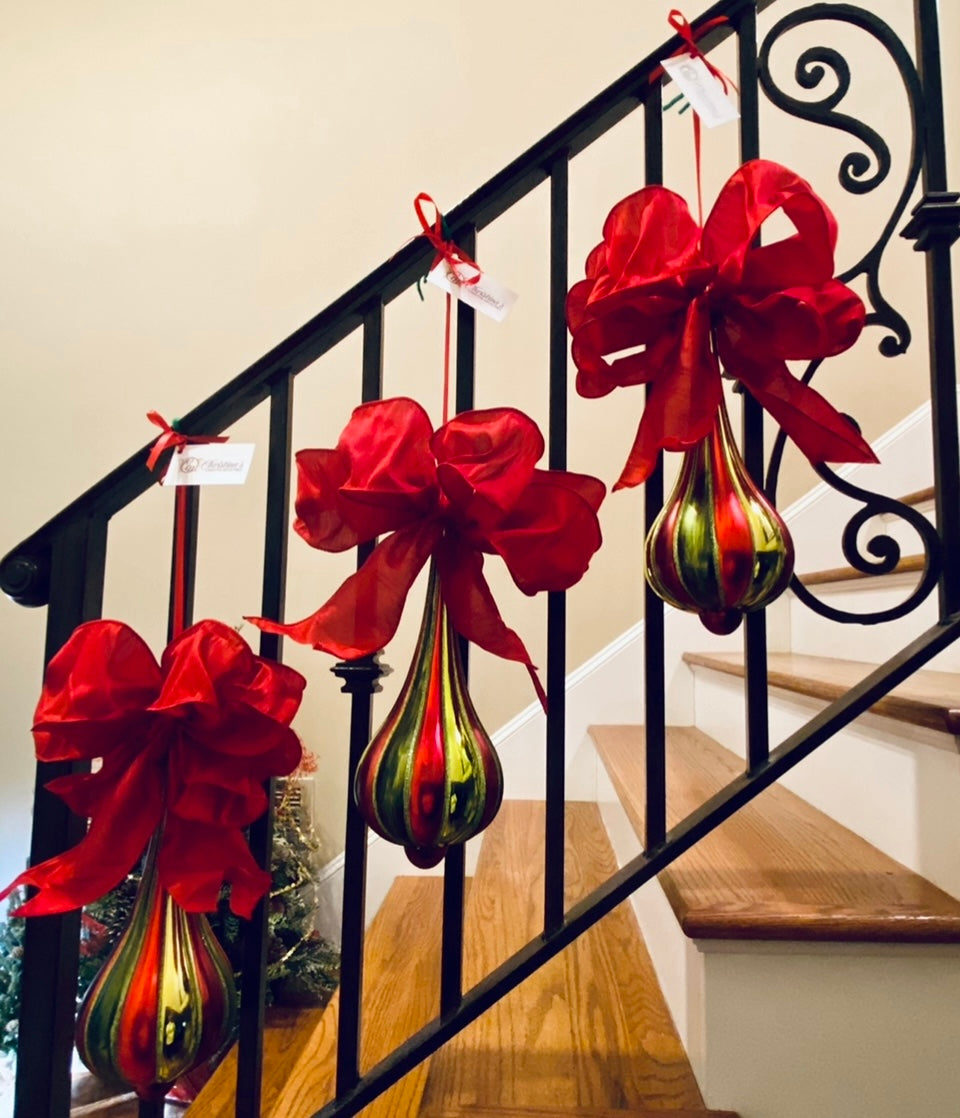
{"points": [[589, 1029], [918, 496], [928, 698], [778, 869], [908, 564]]}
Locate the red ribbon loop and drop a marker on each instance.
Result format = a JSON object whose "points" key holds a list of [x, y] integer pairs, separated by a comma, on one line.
{"points": [[186, 744], [685, 299], [678, 21], [171, 438], [446, 250], [471, 488]]}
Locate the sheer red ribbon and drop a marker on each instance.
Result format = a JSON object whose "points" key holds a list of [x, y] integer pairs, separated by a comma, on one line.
{"points": [[686, 299], [468, 489], [172, 438], [187, 743]]}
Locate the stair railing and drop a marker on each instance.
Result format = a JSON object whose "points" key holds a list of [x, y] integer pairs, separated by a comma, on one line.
{"points": [[62, 564]]}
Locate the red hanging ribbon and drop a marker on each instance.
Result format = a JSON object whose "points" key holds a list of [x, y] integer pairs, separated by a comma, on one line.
{"points": [[172, 438], [678, 21], [186, 743], [468, 489], [696, 297], [455, 259]]}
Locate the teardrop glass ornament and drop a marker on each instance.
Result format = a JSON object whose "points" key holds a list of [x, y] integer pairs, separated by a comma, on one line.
{"points": [[718, 548], [430, 777], [165, 999]]}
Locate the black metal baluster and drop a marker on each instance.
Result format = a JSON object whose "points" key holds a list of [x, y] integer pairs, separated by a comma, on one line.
{"points": [[276, 525], [755, 624], [654, 685], [454, 866], [360, 682], [48, 988], [934, 227], [466, 377], [553, 875]]}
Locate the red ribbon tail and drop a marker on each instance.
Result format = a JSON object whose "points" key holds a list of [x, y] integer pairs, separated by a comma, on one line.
{"points": [[473, 610], [818, 429], [364, 613]]}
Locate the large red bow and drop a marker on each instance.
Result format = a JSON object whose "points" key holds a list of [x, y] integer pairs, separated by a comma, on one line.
{"points": [[469, 488], [187, 744], [692, 296]]}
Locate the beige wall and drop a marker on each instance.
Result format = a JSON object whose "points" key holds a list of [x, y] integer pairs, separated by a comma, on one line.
{"points": [[187, 183]]}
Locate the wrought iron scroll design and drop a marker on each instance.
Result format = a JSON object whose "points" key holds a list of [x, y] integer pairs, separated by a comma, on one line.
{"points": [[859, 173]]}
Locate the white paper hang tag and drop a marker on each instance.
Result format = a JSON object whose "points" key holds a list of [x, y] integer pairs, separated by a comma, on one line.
{"points": [[486, 295], [704, 92], [210, 464]]}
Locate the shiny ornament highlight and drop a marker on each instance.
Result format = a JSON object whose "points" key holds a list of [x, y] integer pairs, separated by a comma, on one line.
{"points": [[430, 777], [165, 1000], [718, 547]]}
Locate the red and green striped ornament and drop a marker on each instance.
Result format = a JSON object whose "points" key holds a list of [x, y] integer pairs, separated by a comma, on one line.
{"points": [[718, 548], [164, 1001], [430, 777]]}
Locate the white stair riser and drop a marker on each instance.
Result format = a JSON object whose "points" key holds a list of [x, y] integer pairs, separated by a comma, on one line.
{"points": [[899, 529], [814, 635], [790, 1030], [896, 785]]}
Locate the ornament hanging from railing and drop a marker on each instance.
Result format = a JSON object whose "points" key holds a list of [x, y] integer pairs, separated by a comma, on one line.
{"points": [[430, 777], [718, 547], [185, 748], [471, 488], [164, 1002], [664, 304]]}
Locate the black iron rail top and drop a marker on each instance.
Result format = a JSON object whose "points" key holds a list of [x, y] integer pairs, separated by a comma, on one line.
{"points": [[25, 571]]}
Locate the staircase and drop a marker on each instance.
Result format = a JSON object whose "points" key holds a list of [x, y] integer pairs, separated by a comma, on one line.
{"points": [[783, 825], [588, 1034], [782, 941]]}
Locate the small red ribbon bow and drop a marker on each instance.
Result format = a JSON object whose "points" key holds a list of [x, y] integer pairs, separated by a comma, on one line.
{"points": [[467, 489], [695, 297], [171, 437], [678, 21], [186, 743], [454, 256]]}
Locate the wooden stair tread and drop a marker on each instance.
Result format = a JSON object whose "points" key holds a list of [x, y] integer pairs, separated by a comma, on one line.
{"points": [[300, 1069], [591, 1112], [927, 698], [918, 496], [588, 1030], [778, 868], [285, 1036], [908, 564]]}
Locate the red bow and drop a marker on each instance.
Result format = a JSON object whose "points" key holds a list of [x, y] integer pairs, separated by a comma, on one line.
{"points": [[171, 437], [467, 489], [456, 259], [692, 295], [187, 744], [678, 21]]}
